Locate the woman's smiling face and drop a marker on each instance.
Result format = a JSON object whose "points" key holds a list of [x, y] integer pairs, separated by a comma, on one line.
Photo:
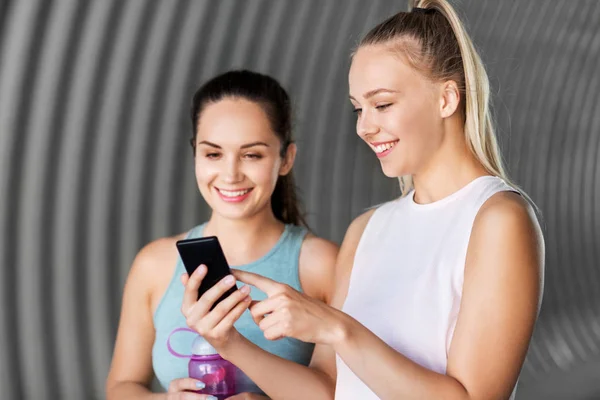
{"points": [[238, 158], [397, 110]]}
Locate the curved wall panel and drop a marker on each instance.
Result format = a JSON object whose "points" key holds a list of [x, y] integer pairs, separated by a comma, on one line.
{"points": [[94, 161]]}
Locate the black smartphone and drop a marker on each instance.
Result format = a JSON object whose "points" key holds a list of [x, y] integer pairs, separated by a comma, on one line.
{"points": [[207, 251]]}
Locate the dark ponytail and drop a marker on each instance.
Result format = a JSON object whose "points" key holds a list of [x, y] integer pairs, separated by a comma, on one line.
{"points": [[268, 93]]}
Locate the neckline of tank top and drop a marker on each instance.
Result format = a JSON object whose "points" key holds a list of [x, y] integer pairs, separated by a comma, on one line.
{"points": [[451, 197], [282, 238]]}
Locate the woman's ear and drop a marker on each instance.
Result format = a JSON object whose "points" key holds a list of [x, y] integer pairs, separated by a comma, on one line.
{"points": [[449, 99], [288, 159]]}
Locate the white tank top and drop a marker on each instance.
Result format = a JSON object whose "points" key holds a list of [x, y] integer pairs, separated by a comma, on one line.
{"points": [[407, 279]]}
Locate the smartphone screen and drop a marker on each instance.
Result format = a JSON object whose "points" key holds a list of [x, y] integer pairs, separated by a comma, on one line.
{"points": [[207, 251]]}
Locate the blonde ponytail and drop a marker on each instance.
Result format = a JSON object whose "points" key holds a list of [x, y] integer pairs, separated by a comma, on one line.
{"points": [[447, 53], [479, 127]]}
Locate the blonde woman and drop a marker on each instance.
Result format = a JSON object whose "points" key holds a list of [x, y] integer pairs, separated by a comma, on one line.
{"points": [[437, 292]]}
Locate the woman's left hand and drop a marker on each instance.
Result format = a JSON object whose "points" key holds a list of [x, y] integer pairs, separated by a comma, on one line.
{"points": [[216, 325], [248, 396], [289, 313]]}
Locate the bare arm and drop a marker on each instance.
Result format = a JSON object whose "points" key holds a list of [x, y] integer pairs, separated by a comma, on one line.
{"points": [[501, 297], [282, 379], [131, 371]]}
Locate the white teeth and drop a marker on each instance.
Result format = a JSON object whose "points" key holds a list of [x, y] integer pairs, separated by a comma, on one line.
{"points": [[383, 147], [237, 193]]}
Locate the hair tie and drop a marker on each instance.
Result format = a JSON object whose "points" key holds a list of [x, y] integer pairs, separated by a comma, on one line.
{"points": [[426, 11]]}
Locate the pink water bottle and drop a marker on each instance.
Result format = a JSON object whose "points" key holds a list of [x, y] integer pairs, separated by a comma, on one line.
{"points": [[209, 367]]}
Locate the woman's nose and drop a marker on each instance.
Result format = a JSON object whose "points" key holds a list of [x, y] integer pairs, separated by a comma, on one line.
{"points": [[365, 125], [233, 172]]}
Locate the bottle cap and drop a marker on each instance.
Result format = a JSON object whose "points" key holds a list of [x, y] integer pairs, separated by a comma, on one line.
{"points": [[200, 347]]}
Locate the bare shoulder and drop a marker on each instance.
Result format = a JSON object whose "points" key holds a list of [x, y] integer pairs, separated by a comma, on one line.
{"points": [[508, 214], [354, 233], [157, 249], [156, 253], [359, 223], [154, 266], [318, 250], [507, 204], [507, 243], [316, 265]]}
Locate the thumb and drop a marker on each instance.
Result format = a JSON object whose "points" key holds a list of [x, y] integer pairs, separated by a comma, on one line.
{"points": [[184, 278]]}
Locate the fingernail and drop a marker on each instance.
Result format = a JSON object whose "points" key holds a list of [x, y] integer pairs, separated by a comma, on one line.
{"points": [[201, 268], [200, 385], [245, 289], [211, 398], [229, 280]]}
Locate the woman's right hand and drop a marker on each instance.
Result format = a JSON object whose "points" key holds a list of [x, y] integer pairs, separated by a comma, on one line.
{"points": [[215, 326], [183, 389]]}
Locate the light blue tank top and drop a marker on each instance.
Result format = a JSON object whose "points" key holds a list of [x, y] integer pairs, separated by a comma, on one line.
{"points": [[279, 264]]}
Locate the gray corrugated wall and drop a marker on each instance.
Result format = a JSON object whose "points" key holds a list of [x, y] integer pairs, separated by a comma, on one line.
{"points": [[94, 160]]}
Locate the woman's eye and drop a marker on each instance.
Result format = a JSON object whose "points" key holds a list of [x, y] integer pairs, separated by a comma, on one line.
{"points": [[357, 111], [253, 156], [213, 156], [382, 107]]}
